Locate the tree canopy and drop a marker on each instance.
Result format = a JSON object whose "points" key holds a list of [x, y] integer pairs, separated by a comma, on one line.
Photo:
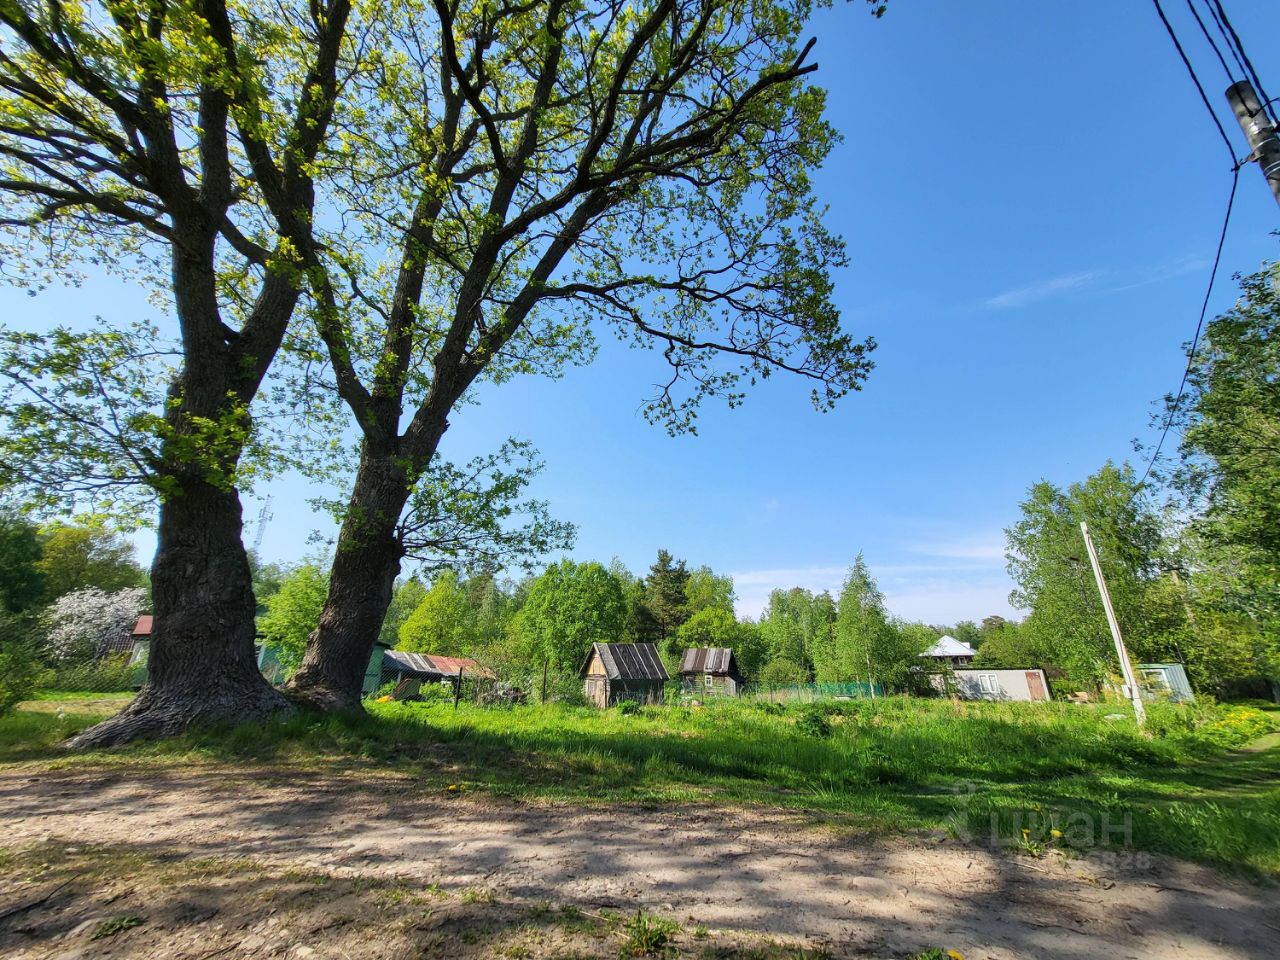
{"points": [[570, 607]]}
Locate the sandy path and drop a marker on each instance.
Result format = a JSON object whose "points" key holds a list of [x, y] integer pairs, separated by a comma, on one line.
{"points": [[743, 870]]}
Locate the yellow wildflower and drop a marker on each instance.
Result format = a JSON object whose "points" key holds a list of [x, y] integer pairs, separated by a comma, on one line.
{"points": [[955, 955]]}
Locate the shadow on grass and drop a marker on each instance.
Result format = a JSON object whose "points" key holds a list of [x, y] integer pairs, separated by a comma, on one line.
{"points": [[983, 772]]}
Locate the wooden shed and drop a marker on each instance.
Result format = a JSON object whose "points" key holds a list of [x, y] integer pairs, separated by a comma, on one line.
{"points": [[623, 671], [710, 672]]}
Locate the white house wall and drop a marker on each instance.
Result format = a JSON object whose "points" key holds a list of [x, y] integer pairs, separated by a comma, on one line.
{"points": [[1009, 684]]}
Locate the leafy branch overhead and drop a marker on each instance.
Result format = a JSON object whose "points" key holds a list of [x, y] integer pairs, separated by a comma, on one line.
{"points": [[508, 178]]}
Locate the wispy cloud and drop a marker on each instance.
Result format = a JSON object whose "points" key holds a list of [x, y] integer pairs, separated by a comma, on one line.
{"points": [[983, 547], [946, 601], [1045, 289], [1166, 271], [1101, 282], [754, 586], [959, 576]]}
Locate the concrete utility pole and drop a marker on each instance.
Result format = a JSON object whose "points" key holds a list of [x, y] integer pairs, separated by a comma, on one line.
{"points": [[1258, 130], [1126, 668]]}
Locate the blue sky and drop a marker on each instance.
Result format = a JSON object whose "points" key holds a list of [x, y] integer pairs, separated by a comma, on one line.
{"points": [[1031, 195]]}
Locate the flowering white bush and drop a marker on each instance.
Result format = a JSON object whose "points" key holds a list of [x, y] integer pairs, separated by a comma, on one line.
{"points": [[81, 622]]}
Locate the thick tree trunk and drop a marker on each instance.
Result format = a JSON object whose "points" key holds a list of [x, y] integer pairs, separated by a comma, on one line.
{"points": [[202, 668], [361, 582]]}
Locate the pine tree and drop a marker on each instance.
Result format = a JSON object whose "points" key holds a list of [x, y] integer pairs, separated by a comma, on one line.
{"points": [[665, 594]]}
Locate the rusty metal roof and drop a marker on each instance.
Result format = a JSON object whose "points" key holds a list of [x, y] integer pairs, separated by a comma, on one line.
{"points": [[718, 660], [143, 627], [430, 666], [452, 666], [628, 661], [411, 664]]}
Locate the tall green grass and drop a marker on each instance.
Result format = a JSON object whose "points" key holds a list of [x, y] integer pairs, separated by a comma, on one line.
{"points": [[984, 771]]}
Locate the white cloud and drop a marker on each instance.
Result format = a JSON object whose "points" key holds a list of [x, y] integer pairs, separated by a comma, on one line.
{"points": [[1021, 296], [754, 586], [946, 601], [934, 593], [987, 547], [958, 578]]}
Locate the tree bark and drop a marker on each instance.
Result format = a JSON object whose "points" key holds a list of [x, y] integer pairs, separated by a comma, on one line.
{"points": [[202, 668], [361, 582]]}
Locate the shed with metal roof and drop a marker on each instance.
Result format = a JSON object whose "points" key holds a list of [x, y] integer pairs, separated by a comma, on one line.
{"points": [[710, 672], [615, 672]]}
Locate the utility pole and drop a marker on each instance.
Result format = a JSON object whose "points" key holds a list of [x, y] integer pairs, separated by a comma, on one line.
{"points": [[1258, 130], [1126, 668]]}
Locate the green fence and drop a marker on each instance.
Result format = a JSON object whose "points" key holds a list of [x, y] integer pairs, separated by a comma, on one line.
{"points": [[812, 692]]}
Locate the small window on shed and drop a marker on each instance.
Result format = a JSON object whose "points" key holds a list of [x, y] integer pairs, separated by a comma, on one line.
{"points": [[988, 682]]}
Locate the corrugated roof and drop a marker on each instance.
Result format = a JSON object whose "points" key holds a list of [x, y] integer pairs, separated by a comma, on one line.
{"points": [[143, 627], [708, 660], [628, 661], [948, 646], [411, 664], [430, 666], [452, 665]]}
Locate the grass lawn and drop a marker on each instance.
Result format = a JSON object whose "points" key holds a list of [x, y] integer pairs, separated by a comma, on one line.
{"points": [[1032, 775]]}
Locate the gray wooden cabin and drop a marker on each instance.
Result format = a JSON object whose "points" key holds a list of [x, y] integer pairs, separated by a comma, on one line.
{"points": [[710, 672], [623, 671]]}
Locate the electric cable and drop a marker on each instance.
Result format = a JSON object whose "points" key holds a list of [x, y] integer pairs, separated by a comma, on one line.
{"points": [[1231, 78], [1186, 61], [1250, 72], [1195, 340]]}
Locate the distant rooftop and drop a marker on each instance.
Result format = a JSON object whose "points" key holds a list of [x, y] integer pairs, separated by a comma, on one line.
{"points": [[949, 646]]}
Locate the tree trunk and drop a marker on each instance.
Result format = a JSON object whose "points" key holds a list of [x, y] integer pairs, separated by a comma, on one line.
{"points": [[202, 668], [361, 582]]}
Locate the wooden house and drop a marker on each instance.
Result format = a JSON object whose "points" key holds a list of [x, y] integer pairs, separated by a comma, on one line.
{"points": [[710, 672], [615, 672]]}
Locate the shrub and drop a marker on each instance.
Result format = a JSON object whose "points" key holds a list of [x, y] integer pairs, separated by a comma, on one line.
{"points": [[83, 622], [1235, 726], [1205, 722], [20, 670], [113, 674], [813, 722], [782, 672], [628, 707]]}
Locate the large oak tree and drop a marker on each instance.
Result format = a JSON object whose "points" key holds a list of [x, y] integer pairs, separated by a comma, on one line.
{"points": [[454, 194], [175, 140], [522, 175]]}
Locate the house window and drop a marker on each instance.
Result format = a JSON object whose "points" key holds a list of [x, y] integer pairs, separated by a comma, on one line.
{"points": [[988, 683], [1156, 678]]}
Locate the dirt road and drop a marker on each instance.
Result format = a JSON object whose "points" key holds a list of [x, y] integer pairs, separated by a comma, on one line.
{"points": [[273, 854]]}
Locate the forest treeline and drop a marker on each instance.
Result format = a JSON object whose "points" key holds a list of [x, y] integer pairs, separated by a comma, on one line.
{"points": [[1190, 554]]}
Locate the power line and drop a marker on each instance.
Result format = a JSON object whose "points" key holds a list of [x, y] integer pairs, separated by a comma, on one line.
{"points": [[1195, 340], [1226, 39], [1231, 78], [1248, 64], [1186, 61]]}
